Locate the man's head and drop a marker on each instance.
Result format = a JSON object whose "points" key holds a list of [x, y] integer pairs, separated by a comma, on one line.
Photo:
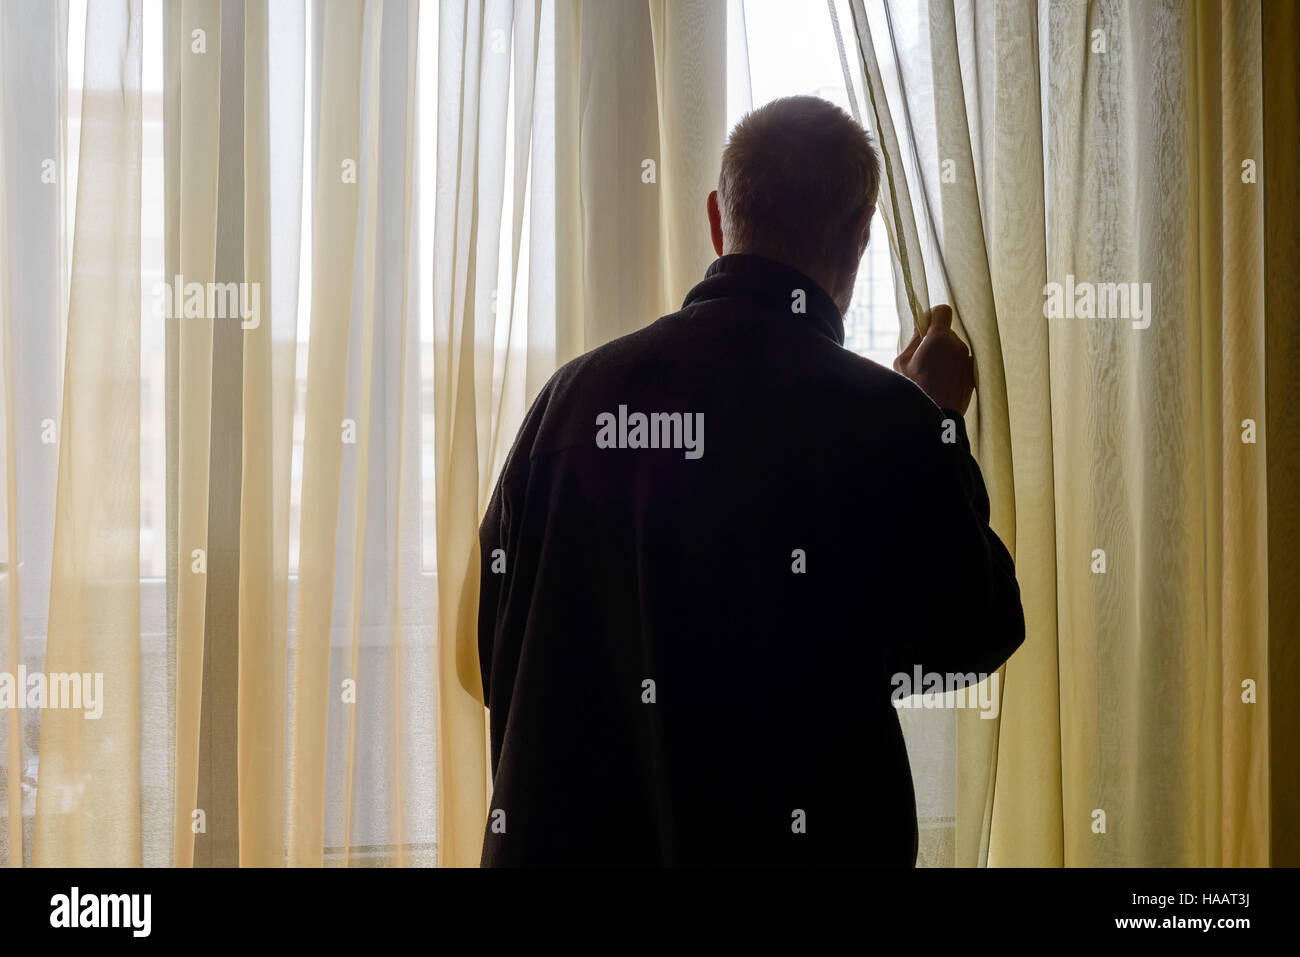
{"points": [[799, 184]]}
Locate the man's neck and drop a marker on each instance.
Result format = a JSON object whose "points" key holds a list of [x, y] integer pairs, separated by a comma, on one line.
{"points": [[827, 279]]}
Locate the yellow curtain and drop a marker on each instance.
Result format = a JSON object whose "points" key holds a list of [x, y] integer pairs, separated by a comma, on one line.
{"points": [[1127, 451]]}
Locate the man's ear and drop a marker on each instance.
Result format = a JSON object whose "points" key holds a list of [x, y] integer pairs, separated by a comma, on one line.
{"points": [[715, 222]]}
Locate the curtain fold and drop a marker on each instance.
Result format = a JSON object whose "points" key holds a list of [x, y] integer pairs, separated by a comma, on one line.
{"points": [[88, 802], [34, 66], [366, 419], [1230, 80], [1280, 29], [333, 251], [474, 69], [272, 215], [196, 239]]}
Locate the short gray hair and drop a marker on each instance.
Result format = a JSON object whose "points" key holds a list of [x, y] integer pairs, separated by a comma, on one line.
{"points": [[797, 173]]}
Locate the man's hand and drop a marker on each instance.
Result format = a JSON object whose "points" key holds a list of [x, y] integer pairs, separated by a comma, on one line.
{"points": [[940, 363]]}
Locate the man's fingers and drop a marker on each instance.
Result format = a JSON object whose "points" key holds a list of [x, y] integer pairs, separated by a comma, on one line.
{"points": [[941, 317], [906, 355]]}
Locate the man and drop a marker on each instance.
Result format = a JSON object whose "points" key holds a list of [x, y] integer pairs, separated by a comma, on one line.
{"points": [[717, 539]]}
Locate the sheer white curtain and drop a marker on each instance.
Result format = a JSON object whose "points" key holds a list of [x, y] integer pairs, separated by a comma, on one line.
{"points": [[87, 573], [33, 306]]}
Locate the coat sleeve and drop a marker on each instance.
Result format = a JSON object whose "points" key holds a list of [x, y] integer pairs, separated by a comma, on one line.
{"points": [[500, 539], [959, 602]]}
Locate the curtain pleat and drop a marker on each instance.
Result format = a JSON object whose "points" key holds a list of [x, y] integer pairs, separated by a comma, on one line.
{"points": [[365, 422], [199, 149], [404, 722], [1280, 30], [88, 803], [389, 795], [272, 215], [217, 844], [1010, 155], [33, 289], [463, 336], [1230, 40], [333, 250]]}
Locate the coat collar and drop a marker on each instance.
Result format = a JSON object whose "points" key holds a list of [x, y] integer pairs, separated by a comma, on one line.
{"points": [[757, 277]]}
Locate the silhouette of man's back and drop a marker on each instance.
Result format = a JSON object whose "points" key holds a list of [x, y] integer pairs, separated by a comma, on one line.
{"points": [[687, 651]]}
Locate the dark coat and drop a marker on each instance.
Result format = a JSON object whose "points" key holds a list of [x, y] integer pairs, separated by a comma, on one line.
{"points": [[688, 655]]}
